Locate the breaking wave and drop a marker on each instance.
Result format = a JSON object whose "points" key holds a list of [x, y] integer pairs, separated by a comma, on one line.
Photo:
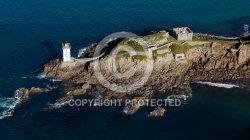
{"points": [[55, 80], [8, 104], [41, 76], [51, 86], [51, 107], [219, 84], [56, 105], [81, 52], [126, 110]]}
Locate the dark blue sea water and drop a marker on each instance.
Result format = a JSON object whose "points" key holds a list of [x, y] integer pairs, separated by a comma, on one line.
{"points": [[31, 33]]}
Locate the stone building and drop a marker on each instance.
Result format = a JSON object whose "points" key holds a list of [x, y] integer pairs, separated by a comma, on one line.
{"points": [[183, 34]]}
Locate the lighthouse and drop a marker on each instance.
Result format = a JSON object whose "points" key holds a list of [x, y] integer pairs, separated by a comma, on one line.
{"points": [[66, 52]]}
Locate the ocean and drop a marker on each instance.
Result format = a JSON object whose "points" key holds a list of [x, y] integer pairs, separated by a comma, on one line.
{"points": [[31, 33]]}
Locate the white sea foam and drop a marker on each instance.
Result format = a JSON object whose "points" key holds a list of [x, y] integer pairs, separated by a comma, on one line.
{"points": [[55, 80], [219, 84], [51, 106], [51, 87], [8, 104], [41, 76], [56, 105], [81, 52], [184, 97], [125, 110]]}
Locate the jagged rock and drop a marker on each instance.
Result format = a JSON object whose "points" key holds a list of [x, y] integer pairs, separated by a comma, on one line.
{"points": [[80, 91], [157, 112], [86, 86], [76, 92], [64, 100]]}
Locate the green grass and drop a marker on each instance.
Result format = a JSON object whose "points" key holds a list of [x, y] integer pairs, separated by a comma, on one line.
{"points": [[126, 55], [140, 57], [177, 48], [156, 55], [199, 38], [161, 55], [132, 44]]}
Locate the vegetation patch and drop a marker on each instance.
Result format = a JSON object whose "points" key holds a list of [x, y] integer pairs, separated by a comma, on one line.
{"points": [[126, 55], [200, 38], [156, 55], [178, 48], [132, 44], [140, 57]]}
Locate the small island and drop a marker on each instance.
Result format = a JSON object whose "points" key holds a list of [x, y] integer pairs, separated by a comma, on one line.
{"points": [[180, 57]]}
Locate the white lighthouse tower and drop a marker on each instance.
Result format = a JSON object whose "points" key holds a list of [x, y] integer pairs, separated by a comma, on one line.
{"points": [[66, 52]]}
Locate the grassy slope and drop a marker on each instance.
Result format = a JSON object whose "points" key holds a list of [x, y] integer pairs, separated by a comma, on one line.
{"points": [[177, 48]]}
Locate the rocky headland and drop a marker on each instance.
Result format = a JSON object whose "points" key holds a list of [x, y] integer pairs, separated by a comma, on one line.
{"points": [[202, 60]]}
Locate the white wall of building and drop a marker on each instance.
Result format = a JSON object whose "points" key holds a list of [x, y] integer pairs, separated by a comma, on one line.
{"points": [[66, 55]]}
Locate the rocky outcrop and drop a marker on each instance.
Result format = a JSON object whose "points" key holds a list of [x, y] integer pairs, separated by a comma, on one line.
{"points": [[38, 90], [64, 100], [157, 112], [25, 93], [22, 95]]}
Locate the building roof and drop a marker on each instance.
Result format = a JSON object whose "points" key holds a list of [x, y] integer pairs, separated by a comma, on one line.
{"points": [[182, 30]]}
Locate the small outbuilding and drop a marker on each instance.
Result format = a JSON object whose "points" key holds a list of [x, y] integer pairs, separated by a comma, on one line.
{"points": [[183, 34], [180, 57]]}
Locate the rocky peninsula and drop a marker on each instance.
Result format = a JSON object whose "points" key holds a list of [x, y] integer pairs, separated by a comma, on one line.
{"points": [[176, 64]]}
